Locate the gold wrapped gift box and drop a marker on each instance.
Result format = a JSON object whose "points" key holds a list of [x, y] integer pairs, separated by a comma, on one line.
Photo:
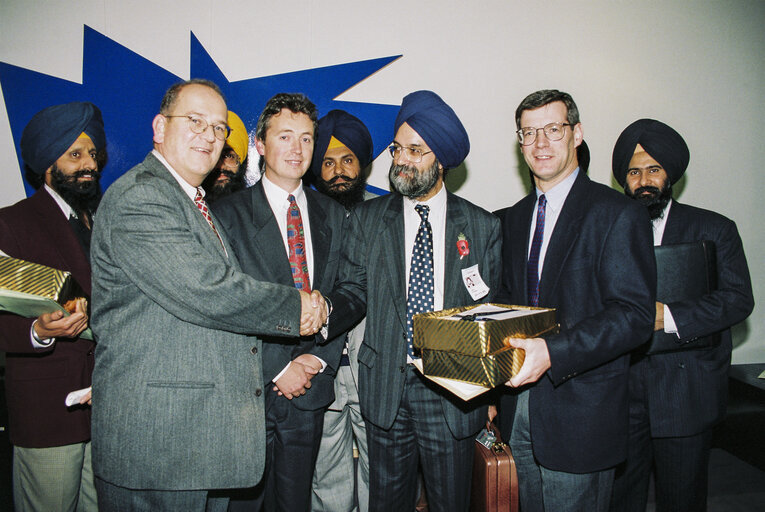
{"points": [[30, 289], [469, 347]]}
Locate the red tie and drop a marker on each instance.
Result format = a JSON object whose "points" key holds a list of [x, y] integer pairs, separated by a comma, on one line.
{"points": [[296, 244], [199, 200]]}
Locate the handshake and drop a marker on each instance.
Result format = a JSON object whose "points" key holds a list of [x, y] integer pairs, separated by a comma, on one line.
{"points": [[313, 314]]}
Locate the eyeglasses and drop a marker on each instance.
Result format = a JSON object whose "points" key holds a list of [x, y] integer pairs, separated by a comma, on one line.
{"points": [[199, 125], [553, 132], [230, 157], [414, 155]]}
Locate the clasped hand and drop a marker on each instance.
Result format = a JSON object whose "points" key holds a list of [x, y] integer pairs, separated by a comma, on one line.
{"points": [[313, 313], [296, 379]]}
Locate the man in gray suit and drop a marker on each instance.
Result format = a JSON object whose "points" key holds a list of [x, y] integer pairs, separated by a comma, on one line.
{"points": [[264, 222], [401, 258], [342, 153], [178, 393]]}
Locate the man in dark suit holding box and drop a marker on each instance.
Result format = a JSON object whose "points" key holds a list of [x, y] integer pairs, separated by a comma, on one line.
{"points": [[677, 392]]}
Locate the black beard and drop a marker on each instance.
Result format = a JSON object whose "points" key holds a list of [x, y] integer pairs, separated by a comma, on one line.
{"points": [[656, 199], [82, 196], [214, 191], [417, 184], [348, 197]]}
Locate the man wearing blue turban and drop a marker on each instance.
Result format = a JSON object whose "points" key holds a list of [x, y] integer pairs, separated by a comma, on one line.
{"points": [[410, 252], [45, 357], [678, 380]]}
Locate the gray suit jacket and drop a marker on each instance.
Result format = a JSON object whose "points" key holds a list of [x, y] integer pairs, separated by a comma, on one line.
{"points": [[373, 280], [177, 387], [257, 243]]}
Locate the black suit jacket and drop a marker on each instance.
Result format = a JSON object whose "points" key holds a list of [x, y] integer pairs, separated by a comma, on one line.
{"points": [[373, 279], [255, 238], [601, 278], [687, 389], [38, 380]]}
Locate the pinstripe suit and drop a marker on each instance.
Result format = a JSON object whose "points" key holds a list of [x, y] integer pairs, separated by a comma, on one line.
{"points": [[391, 393], [677, 397]]}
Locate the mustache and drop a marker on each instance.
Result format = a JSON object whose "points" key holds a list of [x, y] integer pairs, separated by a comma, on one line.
{"points": [[85, 172], [409, 170], [653, 191], [339, 177], [228, 174]]}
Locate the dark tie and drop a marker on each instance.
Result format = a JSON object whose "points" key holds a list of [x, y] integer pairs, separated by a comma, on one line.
{"points": [[199, 200], [420, 297], [532, 268], [82, 233], [296, 244]]}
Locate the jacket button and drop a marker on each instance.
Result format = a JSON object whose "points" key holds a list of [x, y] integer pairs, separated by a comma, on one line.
{"points": [[402, 369], [254, 350], [681, 365], [258, 392]]}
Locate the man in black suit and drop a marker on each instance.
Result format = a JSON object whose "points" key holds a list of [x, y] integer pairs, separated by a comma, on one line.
{"points": [[579, 247], [403, 246], [261, 222], [678, 392]]}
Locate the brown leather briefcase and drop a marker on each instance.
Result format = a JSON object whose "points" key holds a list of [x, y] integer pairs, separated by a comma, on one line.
{"points": [[495, 479]]}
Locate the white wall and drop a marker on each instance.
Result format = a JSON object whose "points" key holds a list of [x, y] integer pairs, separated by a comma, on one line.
{"points": [[696, 65]]}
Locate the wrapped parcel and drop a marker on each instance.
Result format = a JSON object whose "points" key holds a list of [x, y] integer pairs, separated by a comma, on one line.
{"points": [[467, 343]]}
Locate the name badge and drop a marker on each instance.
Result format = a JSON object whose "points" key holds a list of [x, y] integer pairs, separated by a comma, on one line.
{"points": [[471, 278]]}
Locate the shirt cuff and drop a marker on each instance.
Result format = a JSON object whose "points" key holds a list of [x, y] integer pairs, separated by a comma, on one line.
{"points": [[669, 322], [278, 375], [37, 342]]}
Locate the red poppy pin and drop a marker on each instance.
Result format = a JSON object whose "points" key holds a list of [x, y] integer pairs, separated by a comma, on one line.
{"points": [[462, 245]]}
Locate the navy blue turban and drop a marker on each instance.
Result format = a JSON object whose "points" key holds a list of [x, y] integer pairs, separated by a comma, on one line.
{"points": [[52, 130], [437, 124], [349, 130], [664, 144]]}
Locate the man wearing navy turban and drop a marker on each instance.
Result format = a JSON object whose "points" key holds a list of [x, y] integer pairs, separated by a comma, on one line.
{"points": [[45, 357], [416, 249], [678, 383]]}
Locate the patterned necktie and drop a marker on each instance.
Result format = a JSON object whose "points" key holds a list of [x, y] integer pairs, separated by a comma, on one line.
{"points": [[420, 297], [199, 200], [296, 244], [532, 268]]}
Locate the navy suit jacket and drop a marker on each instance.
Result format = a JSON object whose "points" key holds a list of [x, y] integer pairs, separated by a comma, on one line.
{"points": [[373, 280], [687, 389], [255, 239], [601, 278], [38, 380]]}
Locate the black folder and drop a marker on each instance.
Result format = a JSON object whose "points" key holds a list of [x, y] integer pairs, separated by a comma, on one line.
{"points": [[684, 271]]}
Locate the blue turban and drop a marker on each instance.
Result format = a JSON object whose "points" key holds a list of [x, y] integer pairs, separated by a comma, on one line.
{"points": [[53, 130], [437, 124], [347, 129], [664, 144]]}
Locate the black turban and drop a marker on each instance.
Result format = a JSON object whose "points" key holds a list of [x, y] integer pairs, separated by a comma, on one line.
{"points": [[52, 130], [437, 124], [349, 130], [664, 144]]}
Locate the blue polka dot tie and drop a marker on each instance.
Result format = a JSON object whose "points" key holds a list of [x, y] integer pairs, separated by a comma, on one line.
{"points": [[420, 297]]}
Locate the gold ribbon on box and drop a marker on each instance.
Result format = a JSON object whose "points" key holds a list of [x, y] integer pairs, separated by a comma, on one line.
{"points": [[474, 351]]}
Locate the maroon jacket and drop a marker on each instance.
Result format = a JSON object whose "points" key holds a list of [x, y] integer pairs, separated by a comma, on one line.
{"points": [[38, 380]]}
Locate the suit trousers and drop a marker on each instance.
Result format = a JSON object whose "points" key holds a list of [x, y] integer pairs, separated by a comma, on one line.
{"points": [[542, 489], [680, 464], [292, 445], [334, 477], [58, 478], [419, 436], [113, 498]]}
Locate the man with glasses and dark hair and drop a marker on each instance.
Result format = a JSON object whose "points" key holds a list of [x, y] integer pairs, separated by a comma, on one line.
{"points": [[177, 387], [283, 232], [402, 258], [228, 175], [678, 383], [579, 247]]}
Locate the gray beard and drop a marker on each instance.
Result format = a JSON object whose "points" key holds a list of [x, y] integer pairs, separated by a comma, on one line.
{"points": [[416, 185]]}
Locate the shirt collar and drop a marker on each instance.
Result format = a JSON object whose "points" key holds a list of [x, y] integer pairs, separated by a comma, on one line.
{"points": [[277, 195], [190, 190], [65, 208], [556, 196], [435, 203]]}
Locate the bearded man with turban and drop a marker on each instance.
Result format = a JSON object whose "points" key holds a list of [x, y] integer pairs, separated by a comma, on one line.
{"points": [[678, 392], [228, 175], [45, 357], [342, 153], [403, 256]]}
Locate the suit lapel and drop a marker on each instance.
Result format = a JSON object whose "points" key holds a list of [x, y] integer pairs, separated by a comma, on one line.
{"points": [[563, 236], [456, 223], [673, 232], [321, 237], [520, 252], [266, 238], [394, 253]]}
